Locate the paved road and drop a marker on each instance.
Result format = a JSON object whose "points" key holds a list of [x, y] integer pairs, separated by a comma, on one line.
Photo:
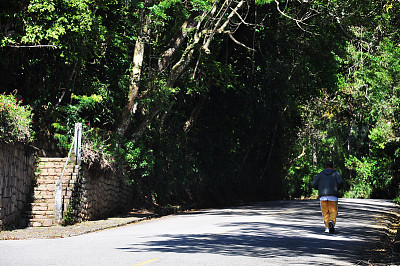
{"points": [[271, 233]]}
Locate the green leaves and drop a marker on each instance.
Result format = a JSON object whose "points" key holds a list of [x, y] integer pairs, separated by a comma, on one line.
{"points": [[263, 2], [49, 21], [141, 161], [381, 134], [41, 6], [159, 10], [201, 5], [362, 185], [87, 101], [15, 120]]}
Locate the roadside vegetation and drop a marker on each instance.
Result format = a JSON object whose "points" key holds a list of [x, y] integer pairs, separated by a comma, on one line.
{"points": [[198, 101]]}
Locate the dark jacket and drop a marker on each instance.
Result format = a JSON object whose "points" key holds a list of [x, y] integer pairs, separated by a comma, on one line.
{"points": [[328, 181]]}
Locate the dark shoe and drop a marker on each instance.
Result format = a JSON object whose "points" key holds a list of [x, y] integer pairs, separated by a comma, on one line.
{"points": [[331, 227]]}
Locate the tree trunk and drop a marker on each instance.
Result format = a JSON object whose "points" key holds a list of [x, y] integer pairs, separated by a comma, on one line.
{"points": [[314, 151], [195, 113], [271, 149], [138, 56]]}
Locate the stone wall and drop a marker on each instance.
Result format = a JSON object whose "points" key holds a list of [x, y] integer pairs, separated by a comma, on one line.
{"points": [[99, 194], [17, 173]]}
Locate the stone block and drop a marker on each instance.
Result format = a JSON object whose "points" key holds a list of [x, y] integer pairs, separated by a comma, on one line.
{"points": [[51, 201], [7, 192], [39, 207], [10, 209], [38, 215], [58, 170], [51, 171], [35, 224], [20, 205], [51, 205], [43, 170], [14, 198]]}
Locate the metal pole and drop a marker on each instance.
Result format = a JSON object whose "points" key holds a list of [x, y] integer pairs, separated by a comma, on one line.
{"points": [[58, 202], [78, 141]]}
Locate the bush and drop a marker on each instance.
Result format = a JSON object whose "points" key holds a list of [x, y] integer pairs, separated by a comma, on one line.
{"points": [[96, 152], [362, 184], [15, 120]]}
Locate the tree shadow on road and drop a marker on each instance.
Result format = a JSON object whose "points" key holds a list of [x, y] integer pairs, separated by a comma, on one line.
{"points": [[295, 231]]}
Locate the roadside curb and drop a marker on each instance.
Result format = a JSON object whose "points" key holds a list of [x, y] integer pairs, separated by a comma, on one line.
{"points": [[396, 244], [396, 250], [86, 227], [114, 226], [72, 230]]}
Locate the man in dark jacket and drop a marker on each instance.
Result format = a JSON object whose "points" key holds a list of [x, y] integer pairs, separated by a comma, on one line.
{"points": [[328, 181]]}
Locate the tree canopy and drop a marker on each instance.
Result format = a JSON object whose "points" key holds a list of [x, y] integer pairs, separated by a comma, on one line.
{"points": [[199, 101]]}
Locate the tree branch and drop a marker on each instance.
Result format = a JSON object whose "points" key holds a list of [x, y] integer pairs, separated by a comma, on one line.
{"points": [[299, 22], [207, 41], [237, 42], [243, 20], [176, 43], [195, 113]]}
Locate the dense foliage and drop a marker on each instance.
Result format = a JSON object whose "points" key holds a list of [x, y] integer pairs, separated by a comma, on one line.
{"points": [[15, 120], [214, 101]]}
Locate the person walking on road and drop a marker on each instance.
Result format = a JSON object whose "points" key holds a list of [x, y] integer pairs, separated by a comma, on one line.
{"points": [[328, 182]]}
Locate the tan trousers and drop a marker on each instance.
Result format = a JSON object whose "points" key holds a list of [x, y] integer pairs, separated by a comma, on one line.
{"points": [[329, 211]]}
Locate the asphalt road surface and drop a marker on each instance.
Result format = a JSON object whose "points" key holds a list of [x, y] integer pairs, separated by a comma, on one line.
{"points": [[270, 233]]}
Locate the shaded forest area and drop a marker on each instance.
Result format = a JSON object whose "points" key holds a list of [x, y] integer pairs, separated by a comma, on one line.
{"points": [[210, 101]]}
